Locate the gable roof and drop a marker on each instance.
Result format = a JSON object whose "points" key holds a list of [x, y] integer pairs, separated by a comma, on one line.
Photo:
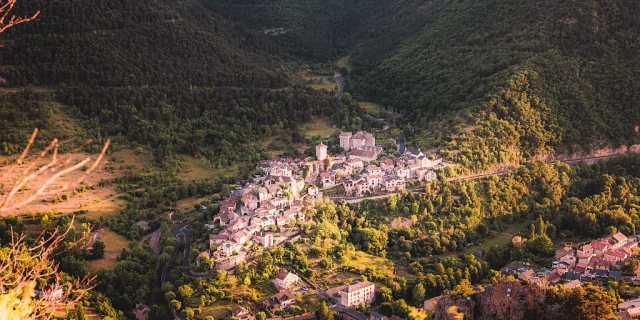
{"points": [[619, 237]]}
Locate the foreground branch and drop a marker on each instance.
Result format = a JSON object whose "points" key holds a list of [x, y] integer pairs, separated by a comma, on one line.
{"points": [[56, 168], [8, 21], [23, 267]]}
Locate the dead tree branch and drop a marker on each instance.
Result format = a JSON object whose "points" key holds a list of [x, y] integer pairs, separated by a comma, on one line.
{"points": [[56, 168], [7, 20]]}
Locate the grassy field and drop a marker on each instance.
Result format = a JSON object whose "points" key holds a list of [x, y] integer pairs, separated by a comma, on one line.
{"points": [[370, 107], [344, 62], [501, 239], [198, 169], [188, 203], [104, 263], [114, 243], [218, 310], [361, 260], [320, 126], [324, 84]]}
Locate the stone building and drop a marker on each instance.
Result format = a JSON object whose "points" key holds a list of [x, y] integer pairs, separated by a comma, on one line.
{"points": [[321, 151], [349, 141]]}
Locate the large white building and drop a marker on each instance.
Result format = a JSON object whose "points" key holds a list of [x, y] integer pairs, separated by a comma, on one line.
{"points": [[353, 294], [349, 141]]}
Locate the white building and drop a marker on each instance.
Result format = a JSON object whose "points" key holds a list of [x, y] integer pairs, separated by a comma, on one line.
{"points": [[353, 294]]}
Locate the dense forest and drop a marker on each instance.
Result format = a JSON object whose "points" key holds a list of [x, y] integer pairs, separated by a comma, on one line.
{"points": [[325, 30], [464, 75], [180, 79], [135, 43]]}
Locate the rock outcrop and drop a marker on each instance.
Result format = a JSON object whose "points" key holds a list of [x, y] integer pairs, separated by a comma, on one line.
{"points": [[506, 300]]}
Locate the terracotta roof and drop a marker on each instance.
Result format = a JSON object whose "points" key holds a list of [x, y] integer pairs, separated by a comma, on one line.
{"points": [[363, 153], [282, 274], [599, 245], [239, 310], [619, 237]]}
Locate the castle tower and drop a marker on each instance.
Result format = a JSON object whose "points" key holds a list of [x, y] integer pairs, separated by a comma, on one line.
{"points": [[370, 140], [321, 151], [345, 139]]}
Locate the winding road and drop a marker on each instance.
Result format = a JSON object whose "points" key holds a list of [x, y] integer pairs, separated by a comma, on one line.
{"points": [[338, 80]]}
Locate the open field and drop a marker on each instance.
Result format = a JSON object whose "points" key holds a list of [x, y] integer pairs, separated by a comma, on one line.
{"points": [[104, 263], [200, 169], [218, 310], [320, 126], [344, 62], [370, 107], [361, 260], [188, 203], [324, 84], [114, 243], [501, 239]]}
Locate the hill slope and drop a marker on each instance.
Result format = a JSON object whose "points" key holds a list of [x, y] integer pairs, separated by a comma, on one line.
{"points": [[175, 76], [516, 78], [124, 42]]}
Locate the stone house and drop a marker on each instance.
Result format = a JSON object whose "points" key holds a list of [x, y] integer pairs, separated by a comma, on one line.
{"points": [[374, 170], [387, 165], [392, 183], [328, 179], [403, 172], [364, 155], [280, 300], [356, 164], [242, 313], [285, 280], [141, 311], [374, 181], [349, 141], [263, 238]]}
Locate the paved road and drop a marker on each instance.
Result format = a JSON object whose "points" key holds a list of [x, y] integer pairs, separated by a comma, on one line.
{"points": [[340, 85], [155, 238]]}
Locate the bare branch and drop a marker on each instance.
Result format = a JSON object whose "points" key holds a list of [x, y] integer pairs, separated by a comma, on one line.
{"points": [[56, 168], [13, 21]]}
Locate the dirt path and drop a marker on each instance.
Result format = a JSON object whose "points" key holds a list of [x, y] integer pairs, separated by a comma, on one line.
{"points": [[36, 89]]}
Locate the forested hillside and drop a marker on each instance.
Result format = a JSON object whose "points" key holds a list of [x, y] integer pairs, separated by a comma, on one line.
{"points": [[517, 78], [124, 42], [321, 30], [177, 77]]}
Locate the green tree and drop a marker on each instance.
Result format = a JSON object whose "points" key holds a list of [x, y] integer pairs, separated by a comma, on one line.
{"points": [[323, 313], [188, 313], [175, 304], [400, 308], [169, 295], [418, 294], [97, 251], [464, 288], [185, 292]]}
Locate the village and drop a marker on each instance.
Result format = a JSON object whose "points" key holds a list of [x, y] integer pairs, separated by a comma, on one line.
{"points": [[597, 261], [264, 211], [253, 214]]}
